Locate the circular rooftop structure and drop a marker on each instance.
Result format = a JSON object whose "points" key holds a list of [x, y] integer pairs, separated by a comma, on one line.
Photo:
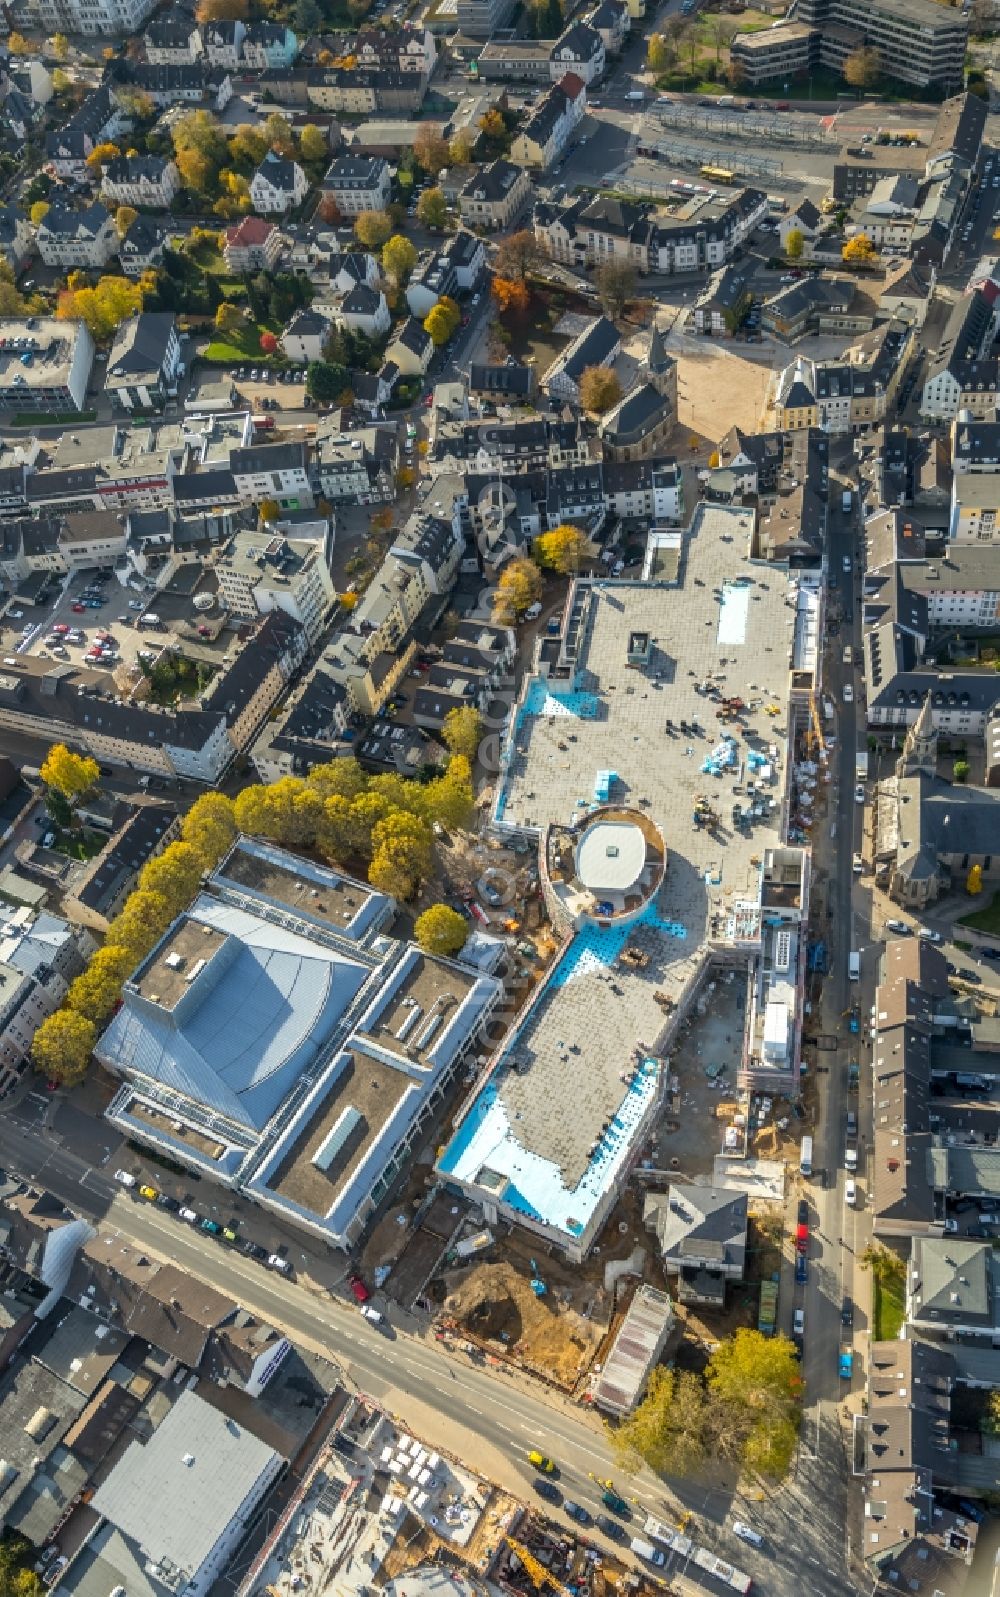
{"points": [[610, 856]]}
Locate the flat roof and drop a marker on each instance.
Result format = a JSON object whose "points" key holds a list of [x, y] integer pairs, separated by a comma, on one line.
{"points": [[554, 1123], [313, 891], [610, 856]]}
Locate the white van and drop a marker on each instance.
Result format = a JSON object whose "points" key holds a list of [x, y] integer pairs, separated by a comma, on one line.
{"points": [[854, 965], [850, 1192], [806, 1156], [646, 1550], [746, 1533]]}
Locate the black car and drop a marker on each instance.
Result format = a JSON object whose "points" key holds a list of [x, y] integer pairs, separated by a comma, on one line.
{"points": [[575, 1511], [610, 1527], [972, 976], [253, 1250], [803, 1211], [847, 1312], [165, 1201], [545, 1489], [990, 953]]}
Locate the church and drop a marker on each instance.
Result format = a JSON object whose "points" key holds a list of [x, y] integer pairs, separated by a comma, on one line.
{"points": [[929, 832]]}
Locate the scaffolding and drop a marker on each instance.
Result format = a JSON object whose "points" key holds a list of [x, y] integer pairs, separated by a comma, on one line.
{"points": [[743, 125]]}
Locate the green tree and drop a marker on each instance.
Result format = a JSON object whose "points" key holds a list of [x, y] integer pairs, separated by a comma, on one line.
{"points": [[461, 147], [795, 244], [441, 930], [313, 144], [564, 549], [961, 770], [62, 1046], [39, 211], [59, 45], [277, 130], [59, 807], [399, 257], [660, 54], [670, 1429], [70, 774], [519, 586], [247, 146], [228, 317], [616, 284], [463, 731], [95, 993], [176, 873], [210, 828], [307, 18], [432, 208], [324, 382]]}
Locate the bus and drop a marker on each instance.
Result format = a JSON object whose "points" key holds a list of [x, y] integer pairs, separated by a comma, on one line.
{"points": [[718, 174], [776, 203]]}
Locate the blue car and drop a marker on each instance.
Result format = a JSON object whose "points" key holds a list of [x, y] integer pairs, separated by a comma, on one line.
{"points": [[801, 1268]]}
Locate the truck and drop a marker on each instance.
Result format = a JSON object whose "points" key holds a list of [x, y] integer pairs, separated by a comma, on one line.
{"points": [[767, 1313], [861, 765]]}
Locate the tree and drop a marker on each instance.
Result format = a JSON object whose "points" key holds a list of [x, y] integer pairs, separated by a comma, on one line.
{"points": [[442, 320], [62, 1046], [724, 30], [755, 1388], [234, 198], [247, 146], [974, 880], [345, 778], [39, 211], [70, 774], [859, 251], [493, 126], [124, 217], [794, 244], [615, 286], [228, 317], [564, 549], [401, 854], [17, 44], [268, 342], [277, 130], [268, 510], [195, 170], [307, 17], [176, 873], [101, 154], [670, 1429], [210, 828], [519, 586], [461, 147], [510, 295], [61, 81], [399, 257], [515, 256], [325, 382], [313, 144], [372, 229], [430, 148], [59, 808], [59, 45], [660, 54], [961, 770], [104, 307], [222, 10], [450, 798], [329, 210], [862, 67], [142, 922], [991, 1418], [432, 208], [463, 731], [95, 993], [600, 389], [441, 930]]}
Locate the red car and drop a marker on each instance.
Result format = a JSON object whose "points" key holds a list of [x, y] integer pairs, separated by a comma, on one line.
{"points": [[361, 1292], [802, 1238], [79, 608], [61, 627]]}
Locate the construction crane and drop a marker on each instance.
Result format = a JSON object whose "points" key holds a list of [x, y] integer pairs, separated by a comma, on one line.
{"points": [[537, 1570], [814, 738]]}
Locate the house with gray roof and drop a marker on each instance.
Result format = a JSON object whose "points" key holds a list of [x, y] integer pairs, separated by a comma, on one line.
{"points": [[953, 1288], [144, 362], [702, 1233], [598, 344]]}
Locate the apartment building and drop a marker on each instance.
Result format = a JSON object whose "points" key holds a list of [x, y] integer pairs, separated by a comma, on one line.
{"points": [[94, 18], [273, 471], [252, 245], [77, 239], [494, 196], [277, 185], [45, 366], [144, 362], [139, 180], [40, 954], [141, 832], [172, 38], [281, 568], [358, 183], [960, 377], [547, 131]]}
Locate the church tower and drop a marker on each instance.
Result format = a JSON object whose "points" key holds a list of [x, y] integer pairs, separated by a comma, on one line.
{"points": [[919, 756], [661, 371]]}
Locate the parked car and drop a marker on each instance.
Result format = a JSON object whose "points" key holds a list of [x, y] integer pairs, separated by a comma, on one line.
{"points": [[799, 1322], [149, 1193], [189, 1215], [253, 1250], [847, 1312], [360, 1291], [282, 1265], [165, 1201], [213, 1227], [610, 1527], [575, 1511], [545, 1489], [125, 1179]]}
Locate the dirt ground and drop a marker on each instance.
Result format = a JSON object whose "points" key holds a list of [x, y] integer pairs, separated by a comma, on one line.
{"points": [[707, 369], [690, 1134]]}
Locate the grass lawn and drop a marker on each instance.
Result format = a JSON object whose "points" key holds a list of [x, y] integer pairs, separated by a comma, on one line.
{"points": [[41, 418], [79, 845], [986, 919], [888, 1301], [228, 349]]}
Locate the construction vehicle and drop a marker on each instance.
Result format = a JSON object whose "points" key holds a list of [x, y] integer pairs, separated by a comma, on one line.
{"points": [[536, 1570], [768, 1311], [815, 741], [704, 814]]}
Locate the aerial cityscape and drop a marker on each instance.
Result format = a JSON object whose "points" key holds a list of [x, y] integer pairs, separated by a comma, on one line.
{"points": [[499, 798]]}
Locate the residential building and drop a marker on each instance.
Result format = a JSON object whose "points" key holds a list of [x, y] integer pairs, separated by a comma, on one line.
{"points": [[45, 365], [277, 186], [223, 42], [139, 180], [613, 22], [364, 91], [196, 83], [95, 18], [145, 362], [802, 218], [142, 248], [252, 245], [269, 46], [405, 49], [722, 305], [306, 336], [84, 240], [962, 376], [818, 304], [273, 471], [275, 569], [907, 293], [143, 832], [702, 1234], [952, 1290], [359, 465], [172, 38], [495, 196], [545, 135], [40, 954], [365, 310], [598, 344], [17, 237], [358, 183], [411, 348], [513, 384], [99, 118], [467, 255], [580, 50]]}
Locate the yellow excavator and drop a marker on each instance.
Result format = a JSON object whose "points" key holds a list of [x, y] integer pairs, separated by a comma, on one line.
{"points": [[536, 1570]]}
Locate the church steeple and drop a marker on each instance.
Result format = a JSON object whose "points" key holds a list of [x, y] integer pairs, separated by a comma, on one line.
{"points": [[919, 756], [659, 366]]}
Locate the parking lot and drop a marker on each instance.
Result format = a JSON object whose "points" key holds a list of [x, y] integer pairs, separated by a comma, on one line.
{"points": [[93, 623], [269, 390]]}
